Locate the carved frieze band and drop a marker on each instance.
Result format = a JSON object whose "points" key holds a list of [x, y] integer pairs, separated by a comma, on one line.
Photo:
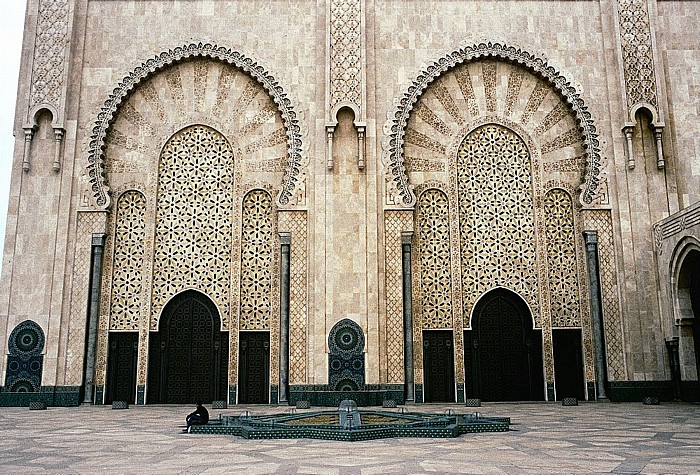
{"points": [[346, 53], [675, 224], [49, 53], [637, 53], [95, 168], [397, 125]]}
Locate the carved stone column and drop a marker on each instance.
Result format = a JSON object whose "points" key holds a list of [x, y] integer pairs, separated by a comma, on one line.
{"points": [[285, 244], [591, 239], [406, 238], [98, 245]]}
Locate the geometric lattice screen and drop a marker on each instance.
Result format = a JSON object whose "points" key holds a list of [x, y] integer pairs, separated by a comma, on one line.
{"points": [[192, 248], [561, 259], [496, 216], [256, 261], [433, 220], [127, 270]]}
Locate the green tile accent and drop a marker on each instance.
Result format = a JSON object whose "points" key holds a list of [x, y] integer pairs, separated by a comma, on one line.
{"points": [[50, 395], [384, 425]]}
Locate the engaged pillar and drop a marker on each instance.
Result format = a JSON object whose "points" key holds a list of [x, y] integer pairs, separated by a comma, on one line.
{"points": [[285, 242], [591, 239], [98, 245], [406, 238]]}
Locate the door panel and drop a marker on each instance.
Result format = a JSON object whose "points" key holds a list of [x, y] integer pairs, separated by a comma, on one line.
{"points": [[254, 368], [121, 367], [568, 364], [438, 366]]}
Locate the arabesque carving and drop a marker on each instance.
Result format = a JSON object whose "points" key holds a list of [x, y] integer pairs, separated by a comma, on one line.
{"points": [[397, 181], [95, 166]]}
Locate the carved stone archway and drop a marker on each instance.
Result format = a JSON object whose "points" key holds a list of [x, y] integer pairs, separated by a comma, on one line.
{"points": [[95, 168], [397, 124]]}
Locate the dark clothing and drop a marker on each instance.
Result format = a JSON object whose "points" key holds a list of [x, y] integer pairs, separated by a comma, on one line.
{"points": [[199, 417]]}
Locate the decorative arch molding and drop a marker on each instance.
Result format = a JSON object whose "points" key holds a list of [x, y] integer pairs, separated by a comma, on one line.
{"points": [[95, 168], [396, 126], [686, 249]]}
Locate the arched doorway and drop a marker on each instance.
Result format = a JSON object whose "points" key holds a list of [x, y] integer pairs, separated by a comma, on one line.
{"points": [[188, 356], [688, 295], [503, 354]]}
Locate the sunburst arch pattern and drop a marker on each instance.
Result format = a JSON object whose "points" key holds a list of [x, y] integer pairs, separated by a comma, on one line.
{"points": [[491, 80], [290, 134]]}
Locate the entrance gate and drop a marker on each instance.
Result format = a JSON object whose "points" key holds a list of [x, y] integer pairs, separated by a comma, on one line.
{"points": [[254, 368], [188, 356], [438, 366], [503, 354]]}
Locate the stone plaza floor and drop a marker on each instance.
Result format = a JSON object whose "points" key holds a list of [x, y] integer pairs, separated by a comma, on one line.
{"points": [[545, 438]]}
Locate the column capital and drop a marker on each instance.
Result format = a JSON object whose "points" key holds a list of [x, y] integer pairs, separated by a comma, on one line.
{"points": [[285, 238], [98, 239], [591, 238]]}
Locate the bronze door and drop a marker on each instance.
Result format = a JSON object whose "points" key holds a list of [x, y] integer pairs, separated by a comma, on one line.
{"points": [[568, 363], [188, 356], [121, 367], [254, 368], [438, 366], [505, 361]]}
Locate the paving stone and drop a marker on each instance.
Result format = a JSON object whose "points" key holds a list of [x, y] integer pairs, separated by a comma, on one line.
{"points": [[549, 439]]}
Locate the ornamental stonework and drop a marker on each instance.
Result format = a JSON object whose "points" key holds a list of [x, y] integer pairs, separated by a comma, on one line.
{"points": [[87, 224], [128, 262], [601, 221], [192, 248], [459, 90], [433, 223], [295, 222], [395, 222], [637, 53], [49, 53], [496, 216], [197, 82], [256, 261], [346, 52], [561, 259]]}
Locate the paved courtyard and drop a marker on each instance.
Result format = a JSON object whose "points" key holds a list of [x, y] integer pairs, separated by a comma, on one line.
{"points": [[545, 438]]}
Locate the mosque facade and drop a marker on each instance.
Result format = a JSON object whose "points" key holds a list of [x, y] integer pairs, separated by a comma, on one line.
{"points": [[267, 202]]}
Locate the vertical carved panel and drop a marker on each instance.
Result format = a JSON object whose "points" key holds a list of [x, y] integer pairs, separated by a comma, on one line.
{"points": [[49, 53], [497, 216], [601, 221], [256, 261], [346, 52], [395, 222], [194, 219], [637, 53], [88, 223], [561, 259], [298, 304], [433, 222], [127, 268]]}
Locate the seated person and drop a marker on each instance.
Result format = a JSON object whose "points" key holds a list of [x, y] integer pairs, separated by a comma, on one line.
{"points": [[199, 417]]}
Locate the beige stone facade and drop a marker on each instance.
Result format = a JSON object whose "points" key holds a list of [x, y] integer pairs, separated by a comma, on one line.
{"points": [[417, 200]]}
